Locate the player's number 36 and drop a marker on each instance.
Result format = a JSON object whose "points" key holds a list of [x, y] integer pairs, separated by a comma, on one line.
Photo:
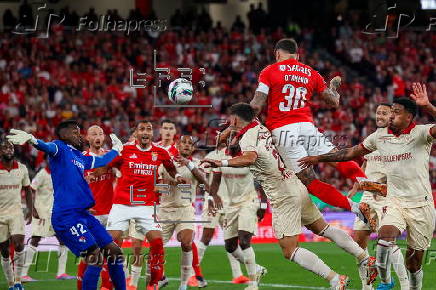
{"points": [[74, 230], [296, 98]]}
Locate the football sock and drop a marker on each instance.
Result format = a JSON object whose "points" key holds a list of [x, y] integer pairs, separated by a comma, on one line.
{"points": [[238, 255], [350, 170], [344, 241], [311, 262], [185, 267], [19, 261], [363, 273], [195, 261], [416, 280], [116, 271], [80, 273], [399, 267], [328, 194], [156, 260], [105, 277], [383, 255], [235, 266], [250, 264], [135, 273], [90, 279], [30, 252], [62, 259], [8, 271], [201, 249]]}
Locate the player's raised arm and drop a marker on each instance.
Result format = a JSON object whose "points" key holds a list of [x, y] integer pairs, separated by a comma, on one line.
{"points": [[346, 154], [19, 137], [421, 98], [330, 95], [100, 161]]}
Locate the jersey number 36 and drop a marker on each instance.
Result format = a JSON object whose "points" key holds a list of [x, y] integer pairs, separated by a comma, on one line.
{"points": [[295, 99]]}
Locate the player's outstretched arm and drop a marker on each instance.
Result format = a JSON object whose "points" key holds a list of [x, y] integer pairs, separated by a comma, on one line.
{"points": [[258, 101], [194, 170], [421, 98], [19, 137], [246, 159], [346, 154], [331, 95]]}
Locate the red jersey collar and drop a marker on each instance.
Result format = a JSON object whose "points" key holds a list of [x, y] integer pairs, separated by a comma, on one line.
{"points": [[246, 128], [141, 149], [405, 131], [14, 166], [48, 170]]}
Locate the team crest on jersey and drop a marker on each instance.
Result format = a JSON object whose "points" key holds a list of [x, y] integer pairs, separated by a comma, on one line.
{"points": [[154, 156], [133, 156], [282, 67]]}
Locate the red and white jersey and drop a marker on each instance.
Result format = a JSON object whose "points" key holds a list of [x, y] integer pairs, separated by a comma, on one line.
{"points": [[102, 186], [171, 149], [290, 86], [139, 174]]}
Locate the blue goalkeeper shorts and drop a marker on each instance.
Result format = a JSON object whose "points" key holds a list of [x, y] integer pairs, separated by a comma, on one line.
{"points": [[80, 231]]}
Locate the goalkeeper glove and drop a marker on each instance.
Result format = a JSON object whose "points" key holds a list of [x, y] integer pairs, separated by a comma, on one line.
{"points": [[19, 137], [117, 145]]}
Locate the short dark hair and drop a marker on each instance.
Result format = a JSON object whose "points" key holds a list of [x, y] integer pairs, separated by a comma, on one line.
{"points": [[65, 124], [287, 44], [408, 104], [167, 121], [385, 104], [141, 122], [243, 111]]}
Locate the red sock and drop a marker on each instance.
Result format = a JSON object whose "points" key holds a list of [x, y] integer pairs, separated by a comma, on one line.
{"points": [[328, 194], [195, 261], [105, 278], [350, 170], [156, 261], [80, 273]]}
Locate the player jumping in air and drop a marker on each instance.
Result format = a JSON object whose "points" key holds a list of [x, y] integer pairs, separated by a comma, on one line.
{"points": [[287, 87], [13, 178], [375, 170], [404, 148], [290, 202], [41, 226], [135, 197], [81, 232]]}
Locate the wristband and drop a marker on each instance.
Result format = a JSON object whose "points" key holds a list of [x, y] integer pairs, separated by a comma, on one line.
{"points": [[177, 175], [210, 197], [263, 205], [190, 165], [224, 163]]}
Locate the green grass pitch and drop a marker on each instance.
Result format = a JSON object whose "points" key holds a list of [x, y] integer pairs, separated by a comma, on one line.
{"points": [[282, 274]]}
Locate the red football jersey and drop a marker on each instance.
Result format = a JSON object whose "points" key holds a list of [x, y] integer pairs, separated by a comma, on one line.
{"points": [[139, 174], [102, 186], [171, 149], [289, 85]]}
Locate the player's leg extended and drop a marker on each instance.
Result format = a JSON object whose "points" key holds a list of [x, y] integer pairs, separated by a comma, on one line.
{"points": [[136, 267], [20, 256], [62, 263], [115, 263], [361, 237], [6, 259], [156, 257], [309, 261], [399, 267], [414, 266], [185, 238], [204, 242], [249, 256], [31, 250]]}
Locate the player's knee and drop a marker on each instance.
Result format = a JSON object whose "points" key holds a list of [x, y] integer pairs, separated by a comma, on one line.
{"points": [[186, 246], [18, 245], [35, 241], [245, 243], [230, 246], [93, 256], [4, 249], [288, 252]]}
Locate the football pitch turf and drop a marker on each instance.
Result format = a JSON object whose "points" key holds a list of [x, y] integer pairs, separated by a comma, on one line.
{"points": [[282, 274]]}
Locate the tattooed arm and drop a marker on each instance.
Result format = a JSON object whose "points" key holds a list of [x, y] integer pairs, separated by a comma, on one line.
{"points": [[258, 101], [330, 95], [346, 154]]}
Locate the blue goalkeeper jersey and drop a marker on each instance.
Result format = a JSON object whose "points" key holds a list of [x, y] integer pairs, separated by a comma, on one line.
{"points": [[67, 165]]}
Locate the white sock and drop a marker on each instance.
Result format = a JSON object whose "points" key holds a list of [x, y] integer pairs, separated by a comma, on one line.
{"points": [[416, 280], [30, 252], [311, 262], [399, 267], [201, 249], [383, 255], [250, 264], [238, 255], [7, 269], [235, 266], [135, 274], [62, 259], [185, 268], [363, 273], [344, 241], [19, 261]]}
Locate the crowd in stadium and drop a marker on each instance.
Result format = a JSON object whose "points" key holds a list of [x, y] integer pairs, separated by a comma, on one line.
{"points": [[85, 75]]}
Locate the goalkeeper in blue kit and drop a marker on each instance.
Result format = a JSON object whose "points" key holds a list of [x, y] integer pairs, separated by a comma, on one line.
{"points": [[81, 232]]}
